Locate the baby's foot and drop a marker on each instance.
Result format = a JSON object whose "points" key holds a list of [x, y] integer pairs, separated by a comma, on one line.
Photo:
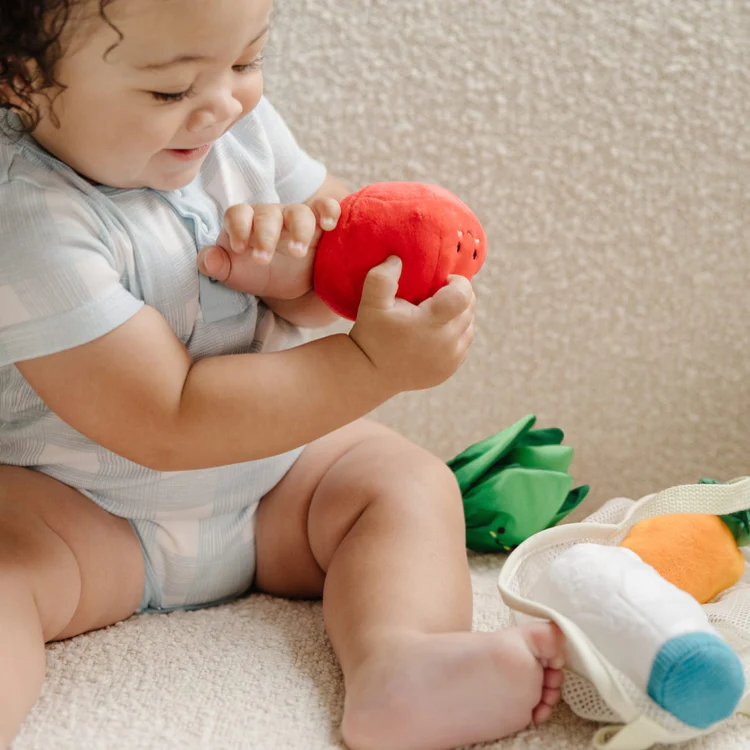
{"points": [[434, 692]]}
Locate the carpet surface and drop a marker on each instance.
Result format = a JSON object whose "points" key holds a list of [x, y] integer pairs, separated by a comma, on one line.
{"points": [[258, 674]]}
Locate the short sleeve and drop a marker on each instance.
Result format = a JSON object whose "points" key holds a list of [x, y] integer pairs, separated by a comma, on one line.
{"points": [[297, 175], [59, 284]]}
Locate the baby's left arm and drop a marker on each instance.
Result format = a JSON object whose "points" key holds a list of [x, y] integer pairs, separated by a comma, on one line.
{"points": [[268, 250]]}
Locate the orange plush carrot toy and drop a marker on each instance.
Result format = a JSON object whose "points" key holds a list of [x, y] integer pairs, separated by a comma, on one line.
{"points": [[695, 552]]}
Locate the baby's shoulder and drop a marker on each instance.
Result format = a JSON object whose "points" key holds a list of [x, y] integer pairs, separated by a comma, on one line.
{"points": [[43, 210], [25, 166], [37, 191]]}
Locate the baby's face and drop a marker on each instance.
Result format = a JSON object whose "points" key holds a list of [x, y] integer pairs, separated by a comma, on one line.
{"points": [[143, 111]]}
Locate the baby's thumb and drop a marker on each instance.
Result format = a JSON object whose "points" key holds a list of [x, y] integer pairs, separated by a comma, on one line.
{"points": [[215, 262], [381, 284]]}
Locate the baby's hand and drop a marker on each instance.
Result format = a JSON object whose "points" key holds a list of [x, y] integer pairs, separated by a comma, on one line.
{"points": [[267, 249], [414, 346]]}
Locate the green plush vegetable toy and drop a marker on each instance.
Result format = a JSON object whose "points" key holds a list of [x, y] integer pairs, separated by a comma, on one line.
{"points": [[514, 485]]}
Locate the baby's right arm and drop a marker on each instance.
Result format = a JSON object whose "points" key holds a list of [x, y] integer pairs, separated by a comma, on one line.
{"points": [[137, 392]]}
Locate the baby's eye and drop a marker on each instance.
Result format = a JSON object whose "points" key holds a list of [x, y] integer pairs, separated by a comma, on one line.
{"points": [[178, 97], [250, 67]]}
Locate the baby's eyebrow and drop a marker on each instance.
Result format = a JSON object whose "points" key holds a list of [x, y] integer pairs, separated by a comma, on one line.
{"points": [[182, 59]]}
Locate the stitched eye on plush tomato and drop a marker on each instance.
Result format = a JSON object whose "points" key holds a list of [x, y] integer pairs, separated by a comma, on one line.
{"points": [[470, 250]]}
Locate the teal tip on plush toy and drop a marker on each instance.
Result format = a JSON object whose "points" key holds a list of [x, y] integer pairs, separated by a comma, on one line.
{"points": [[514, 485]]}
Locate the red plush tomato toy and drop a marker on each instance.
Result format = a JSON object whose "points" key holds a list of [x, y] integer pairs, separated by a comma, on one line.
{"points": [[429, 228]]}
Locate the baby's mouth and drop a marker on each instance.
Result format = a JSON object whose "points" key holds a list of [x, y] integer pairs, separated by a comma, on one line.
{"points": [[190, 153]]}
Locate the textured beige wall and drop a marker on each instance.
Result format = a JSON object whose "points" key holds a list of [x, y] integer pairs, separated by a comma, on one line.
{"points": [[604, 144]]}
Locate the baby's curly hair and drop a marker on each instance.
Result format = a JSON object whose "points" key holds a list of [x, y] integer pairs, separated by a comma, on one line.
{"points": [[30, 49]]}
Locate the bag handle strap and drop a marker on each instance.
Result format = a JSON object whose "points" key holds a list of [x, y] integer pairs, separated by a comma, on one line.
{"points": [[717, 499], [744, 707], [640, 734], [691, 498]]}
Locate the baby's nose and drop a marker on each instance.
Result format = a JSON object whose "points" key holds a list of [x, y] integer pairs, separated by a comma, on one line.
{"points": [[220, 112]]}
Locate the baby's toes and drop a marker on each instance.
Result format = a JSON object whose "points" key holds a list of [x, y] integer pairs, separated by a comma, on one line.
{"points": [[553, 678], [541, 713], [550, 697], [547, 643]]}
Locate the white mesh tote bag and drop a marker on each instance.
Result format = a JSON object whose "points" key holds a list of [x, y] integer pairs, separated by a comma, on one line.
{"points": [[611, 689]]}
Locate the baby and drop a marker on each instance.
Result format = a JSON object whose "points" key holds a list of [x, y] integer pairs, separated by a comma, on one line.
{"points": [[166, 440]]}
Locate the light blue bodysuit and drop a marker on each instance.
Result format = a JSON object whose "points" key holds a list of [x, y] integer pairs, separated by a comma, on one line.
{"points": [[76, 262]]}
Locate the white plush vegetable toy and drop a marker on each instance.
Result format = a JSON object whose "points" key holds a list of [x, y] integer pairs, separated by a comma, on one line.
{"points": [[652, 631]]}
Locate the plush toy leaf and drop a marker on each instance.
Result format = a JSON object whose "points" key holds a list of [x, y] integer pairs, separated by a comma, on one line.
{"points": [[515, 484], [738, 523], [480, 457], [575, 497]]}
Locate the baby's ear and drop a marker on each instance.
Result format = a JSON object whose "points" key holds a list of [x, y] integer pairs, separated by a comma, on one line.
{"points": [[7, 95], [19, 76]]}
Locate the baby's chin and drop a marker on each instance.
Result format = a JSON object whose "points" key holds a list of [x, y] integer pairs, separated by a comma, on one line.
{"points": [[152, 176], [162, 183], [166, 180], [167, 185]]}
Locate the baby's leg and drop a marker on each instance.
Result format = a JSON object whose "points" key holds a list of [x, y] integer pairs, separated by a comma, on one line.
{"points": [[378, 523], [66, 567]]}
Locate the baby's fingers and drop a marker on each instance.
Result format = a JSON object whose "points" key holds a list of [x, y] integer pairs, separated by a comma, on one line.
{"points": [[451, 301], [215, 262], [268, 222], [381, 285], [300, 221], [238, 224], [466, 340], [327, 212]]}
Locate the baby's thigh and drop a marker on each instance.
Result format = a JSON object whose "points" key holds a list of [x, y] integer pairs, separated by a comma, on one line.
{"points": [[301, 522], [84, 564]]}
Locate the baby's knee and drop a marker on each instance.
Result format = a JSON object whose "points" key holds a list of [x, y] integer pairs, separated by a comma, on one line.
{"points": [[413, 478], [422, 469], [385, 474]]}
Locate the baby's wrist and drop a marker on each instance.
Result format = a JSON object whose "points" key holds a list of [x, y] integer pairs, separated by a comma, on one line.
{"points": [[375, 379]]}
